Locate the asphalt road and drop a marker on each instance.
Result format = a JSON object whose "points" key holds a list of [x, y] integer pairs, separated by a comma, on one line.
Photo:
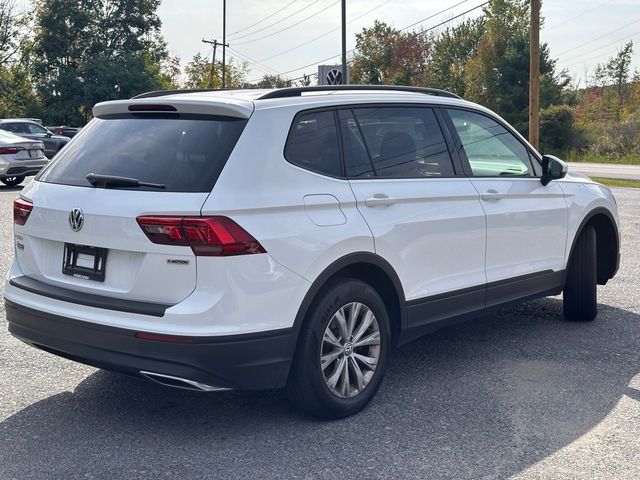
{"points": [[518, 394], [607, 170]]}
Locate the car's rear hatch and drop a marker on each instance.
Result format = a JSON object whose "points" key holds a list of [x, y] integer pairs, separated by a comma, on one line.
{"points": [[85, 237]]}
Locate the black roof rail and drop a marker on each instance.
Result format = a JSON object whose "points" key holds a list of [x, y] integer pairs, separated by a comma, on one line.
{"points": [[298, 91]]}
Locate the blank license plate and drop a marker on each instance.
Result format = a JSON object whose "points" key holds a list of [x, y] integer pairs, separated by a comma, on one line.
{"points": [[82, 261], [35, 153]]}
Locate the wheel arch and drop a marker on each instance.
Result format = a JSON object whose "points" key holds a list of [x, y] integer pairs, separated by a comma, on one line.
{"points": [[607, 242], [369, 268]]}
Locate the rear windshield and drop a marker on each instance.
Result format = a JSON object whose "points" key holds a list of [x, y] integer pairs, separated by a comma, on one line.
{"points": [[186, 154]]}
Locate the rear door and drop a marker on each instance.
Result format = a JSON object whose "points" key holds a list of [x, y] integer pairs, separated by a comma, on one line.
{"points": [[98, 226], [526, 221], [426, 220]]}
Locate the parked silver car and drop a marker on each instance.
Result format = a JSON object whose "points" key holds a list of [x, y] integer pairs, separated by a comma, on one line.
{"points": [[19, 158], [27, 128]]}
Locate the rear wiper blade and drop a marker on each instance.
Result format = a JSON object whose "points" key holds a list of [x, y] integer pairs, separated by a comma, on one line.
{"points": [[105, 181]]}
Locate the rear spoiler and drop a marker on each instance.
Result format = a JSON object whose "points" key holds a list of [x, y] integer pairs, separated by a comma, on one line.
{"points": [[196, 104]]}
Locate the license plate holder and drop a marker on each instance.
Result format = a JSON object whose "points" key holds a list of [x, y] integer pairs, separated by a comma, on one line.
{"points": [[83, 261]]}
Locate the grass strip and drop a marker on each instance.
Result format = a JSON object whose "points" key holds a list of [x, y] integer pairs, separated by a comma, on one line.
{"points": [[615, 182]]}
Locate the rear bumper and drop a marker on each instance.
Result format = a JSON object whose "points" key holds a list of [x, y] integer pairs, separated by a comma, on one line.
{"points": [[247, 361], [15, 168]]}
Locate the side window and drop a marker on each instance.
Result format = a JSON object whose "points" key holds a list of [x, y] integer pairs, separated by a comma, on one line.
{"points": [[394, 142], [35, 128], [492, 151], [14, 127], [313, 143], [357, 160]]}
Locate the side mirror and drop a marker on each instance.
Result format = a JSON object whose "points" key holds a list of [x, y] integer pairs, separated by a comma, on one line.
{"points": [[48, 134], [552, 169]]}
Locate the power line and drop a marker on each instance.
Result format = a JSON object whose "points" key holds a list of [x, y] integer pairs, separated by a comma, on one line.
{"points": [[598, 38], [600, 55], [422, 32], [553, 27], [604, 46], [434, 15], [259, 66], [277, 22], [317, 62], [328, 33], [265, 18], [242, 60], [290, 26]]}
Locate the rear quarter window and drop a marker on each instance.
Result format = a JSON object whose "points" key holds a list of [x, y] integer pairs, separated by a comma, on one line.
{"points": [[313, 143], [185, 153]]}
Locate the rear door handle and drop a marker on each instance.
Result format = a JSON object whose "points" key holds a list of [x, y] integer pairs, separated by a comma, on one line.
{"points": [[379, 200], [491, 195]]}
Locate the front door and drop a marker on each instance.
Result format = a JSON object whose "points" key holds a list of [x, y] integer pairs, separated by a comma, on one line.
{"points": [[526, 221]]}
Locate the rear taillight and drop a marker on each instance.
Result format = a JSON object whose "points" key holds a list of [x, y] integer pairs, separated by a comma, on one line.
{"points": [[10, 150], [207, 236], [21, 211], [163, 230], [58, 131]]}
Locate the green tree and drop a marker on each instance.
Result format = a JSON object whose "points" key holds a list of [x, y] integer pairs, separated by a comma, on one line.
{"points": [[497, 74], [617, 68], [451, 52], [17, 97], [273, 81], [558, 130], [171, 72], [198, 73], [86, 51], [507, 22], [384, 55], [305, 81], [373, 56]]}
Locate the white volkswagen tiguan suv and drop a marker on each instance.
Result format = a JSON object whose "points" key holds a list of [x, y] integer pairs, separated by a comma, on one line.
{"points": [[267, 238]]}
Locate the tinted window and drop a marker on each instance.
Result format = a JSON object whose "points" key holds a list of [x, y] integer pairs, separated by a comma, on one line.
{"points": [[35, 128], [313, 143], [395, 142], [185, 154], [490, 148], [357, 160], [15, 127]]}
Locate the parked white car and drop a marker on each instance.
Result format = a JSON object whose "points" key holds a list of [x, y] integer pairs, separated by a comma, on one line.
{"points": [[19, 158], [269, 238]]}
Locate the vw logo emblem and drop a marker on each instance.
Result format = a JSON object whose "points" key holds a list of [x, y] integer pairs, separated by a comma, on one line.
{"points": [[334, 77], [348, 349], [76, 219]]}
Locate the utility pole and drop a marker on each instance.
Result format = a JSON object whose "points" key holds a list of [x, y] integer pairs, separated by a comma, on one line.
{"points": [[534, 75], [224, 44], [344, 42], [215, 44]]}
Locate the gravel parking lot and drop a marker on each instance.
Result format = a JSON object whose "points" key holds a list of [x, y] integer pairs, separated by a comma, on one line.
{"points": [[518, 394]]}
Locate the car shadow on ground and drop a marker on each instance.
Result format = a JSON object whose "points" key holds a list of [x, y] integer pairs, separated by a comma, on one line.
{"points": [[487, 398]]}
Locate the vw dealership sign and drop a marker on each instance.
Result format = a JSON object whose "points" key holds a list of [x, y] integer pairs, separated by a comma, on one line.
{"points": [[332, 75]]}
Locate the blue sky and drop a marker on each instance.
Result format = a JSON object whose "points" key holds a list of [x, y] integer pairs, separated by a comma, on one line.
{"points": [[572, 29]]}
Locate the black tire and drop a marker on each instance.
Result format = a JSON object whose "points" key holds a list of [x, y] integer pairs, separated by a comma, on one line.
{"points": [[580, 299], [12, 181], [307, 387]]}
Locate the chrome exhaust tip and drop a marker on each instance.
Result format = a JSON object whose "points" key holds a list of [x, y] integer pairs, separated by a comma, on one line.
{"points": [[177, 382]]}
